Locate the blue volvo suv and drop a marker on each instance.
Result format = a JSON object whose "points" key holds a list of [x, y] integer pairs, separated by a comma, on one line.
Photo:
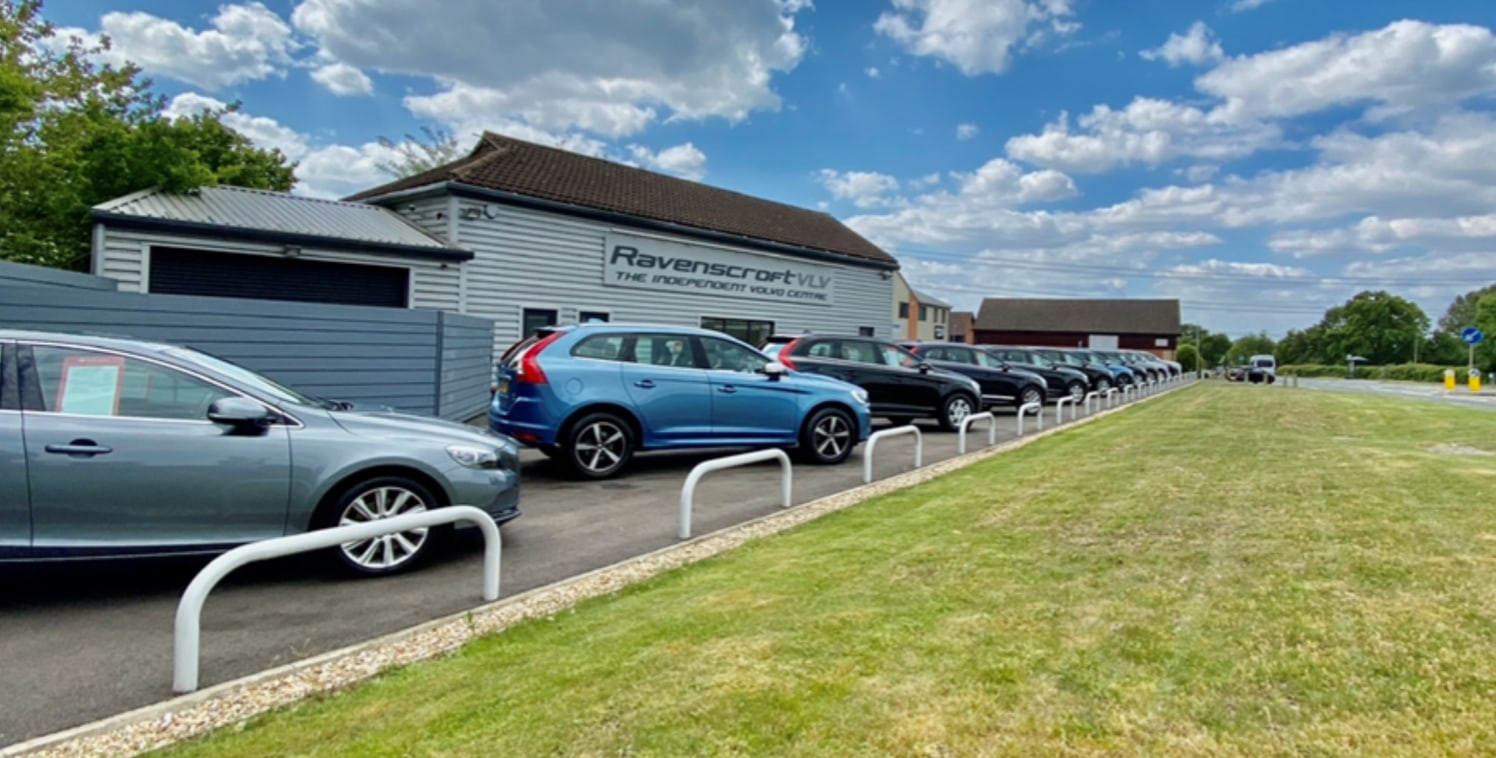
{"points": [[591, 395]]}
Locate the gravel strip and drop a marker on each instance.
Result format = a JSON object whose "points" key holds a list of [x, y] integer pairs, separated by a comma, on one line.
{"points": [[234, 702]]}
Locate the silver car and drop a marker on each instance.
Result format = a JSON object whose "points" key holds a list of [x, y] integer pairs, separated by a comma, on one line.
{"points": [[114, 447]]}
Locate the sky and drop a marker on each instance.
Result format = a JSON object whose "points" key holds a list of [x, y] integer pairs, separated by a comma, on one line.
{"points": [[1259, 160]]}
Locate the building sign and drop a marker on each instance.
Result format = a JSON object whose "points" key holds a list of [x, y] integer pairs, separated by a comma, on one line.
{"points": [[664, 266]]}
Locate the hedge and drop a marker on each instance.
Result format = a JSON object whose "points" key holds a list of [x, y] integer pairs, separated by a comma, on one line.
{"points": [[1413, 372]]}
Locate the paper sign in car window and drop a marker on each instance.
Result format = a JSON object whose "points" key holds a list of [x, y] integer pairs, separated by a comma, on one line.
{"points": [[90, 385]]}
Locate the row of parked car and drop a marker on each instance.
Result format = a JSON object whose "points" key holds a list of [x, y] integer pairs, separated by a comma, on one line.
{"points": [[591, 396]]}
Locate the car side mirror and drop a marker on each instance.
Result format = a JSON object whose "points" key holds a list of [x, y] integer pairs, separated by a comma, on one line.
{"points": [[924, 367], [240, 413], [774, 369]]}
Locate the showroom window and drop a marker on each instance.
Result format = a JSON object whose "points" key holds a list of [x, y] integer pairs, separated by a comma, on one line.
{"points": [[866, 331], [586, 317], [754, 333], [536, 318]]}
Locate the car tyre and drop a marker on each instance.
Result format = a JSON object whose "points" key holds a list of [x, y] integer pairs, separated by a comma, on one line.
{"points": [[599, 446], [375, 499], [827, 437], [1077, 390], [956, 407], [1029, 395], [1102, 385]]}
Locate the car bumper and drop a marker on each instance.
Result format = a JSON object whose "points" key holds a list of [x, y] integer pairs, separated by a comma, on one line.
{"points": [[523, 421], [494, 491]]}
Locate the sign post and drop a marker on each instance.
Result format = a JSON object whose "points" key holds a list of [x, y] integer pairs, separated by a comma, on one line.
{"points": [[1472, 337]]}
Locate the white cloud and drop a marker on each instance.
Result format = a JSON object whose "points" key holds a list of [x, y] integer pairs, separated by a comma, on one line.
{"points": [[1147, 131], [967, 131], [685, 160], [264, 132], [1242, 6], [1374, 234], [611, 69], [1198, 46], [246, 42], [866, 189], [925, 182], [977, 36], [343, 80], [1407, 64], [872, 72]]}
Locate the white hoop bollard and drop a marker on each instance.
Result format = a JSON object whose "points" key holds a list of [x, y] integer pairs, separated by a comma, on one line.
{"points": [[1111, 397], [872, 442], [688, 490], [1059, 409], [1130, 389], [966, 425], [186, 648], [1038, 414], [1089, 397]]}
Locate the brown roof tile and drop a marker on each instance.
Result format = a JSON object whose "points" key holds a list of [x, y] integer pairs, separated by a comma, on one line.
{"points": [[525, 168], [1084, 316]]}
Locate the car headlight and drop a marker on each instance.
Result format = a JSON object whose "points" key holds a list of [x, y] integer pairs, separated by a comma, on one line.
{"points": [[473, 457], [860, 395]]}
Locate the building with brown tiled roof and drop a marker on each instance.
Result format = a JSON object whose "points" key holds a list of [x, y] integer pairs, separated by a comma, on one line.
{"points": [[1151, 325], [525, 235]]}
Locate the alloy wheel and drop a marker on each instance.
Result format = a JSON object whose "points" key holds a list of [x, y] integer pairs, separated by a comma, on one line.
{"points": [[957, 410], [1030, 396], [388, 551], [831, 436], [600, 447]]}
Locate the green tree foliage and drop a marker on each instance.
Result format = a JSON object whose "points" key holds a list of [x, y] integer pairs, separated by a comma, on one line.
{"points": [[1213, 349], [1485, 319], [75, 133], [1377, 325], [1461, 312], [1248, 346], [1188, 357], [1444, 349], [1305, 346]]}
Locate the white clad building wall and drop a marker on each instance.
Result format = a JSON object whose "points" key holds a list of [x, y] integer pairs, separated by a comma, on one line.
{"points": [[539, 261]]}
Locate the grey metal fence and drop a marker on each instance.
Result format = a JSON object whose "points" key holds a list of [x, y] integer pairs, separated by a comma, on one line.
{"points": [[39, 276], [430, 362]]}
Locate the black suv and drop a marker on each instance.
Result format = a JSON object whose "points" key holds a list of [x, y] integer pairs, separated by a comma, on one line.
{"points": [[1001, 383], [1099, 375], [899, 385], [1062, 380]]}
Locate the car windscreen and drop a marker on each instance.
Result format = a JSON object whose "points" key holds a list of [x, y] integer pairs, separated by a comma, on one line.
{"points": [[1265, 363]]}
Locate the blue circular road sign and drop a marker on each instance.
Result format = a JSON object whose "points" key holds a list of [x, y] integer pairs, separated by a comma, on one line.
{"points": [[1472, 336]]}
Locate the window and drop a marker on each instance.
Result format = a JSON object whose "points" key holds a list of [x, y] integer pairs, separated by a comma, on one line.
{"points": [[820, 350], [586, 317], [88, 383], [866, 331], [600, 347], [752, 332], [722, 355], [955, 354], [664, 350], [940, 316], [924, 313], [904, 310], [897, 356], [536, 318], [989, 360], [861, 352]]}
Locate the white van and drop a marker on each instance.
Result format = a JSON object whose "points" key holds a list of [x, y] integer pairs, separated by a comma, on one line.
{"points": [[1262, 368]]}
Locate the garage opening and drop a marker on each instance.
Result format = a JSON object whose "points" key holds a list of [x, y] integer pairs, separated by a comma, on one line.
{"points": [[183, 271]]}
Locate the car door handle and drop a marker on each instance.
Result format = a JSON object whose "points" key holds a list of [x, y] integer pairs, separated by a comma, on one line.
{"points": [[80, 447], [727, 388], [645, 383]]}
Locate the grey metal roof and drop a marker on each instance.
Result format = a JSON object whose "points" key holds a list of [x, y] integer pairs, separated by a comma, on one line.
{"points": [[930, 300], [270, 214]]}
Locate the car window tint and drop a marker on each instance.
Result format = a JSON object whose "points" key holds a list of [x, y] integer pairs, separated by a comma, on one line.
{"points": [[664, 350], [859, 352], [962, 355], [820, 350], [601, 347], [987, 359], [934, 354], [89, 383], [722, 355]]}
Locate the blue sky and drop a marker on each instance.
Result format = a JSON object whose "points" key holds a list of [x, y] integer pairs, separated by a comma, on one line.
{"points": [[1258, 159]]}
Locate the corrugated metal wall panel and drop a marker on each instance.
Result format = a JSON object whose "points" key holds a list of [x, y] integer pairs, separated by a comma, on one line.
{"points": [[531, 259], [41, 276]]}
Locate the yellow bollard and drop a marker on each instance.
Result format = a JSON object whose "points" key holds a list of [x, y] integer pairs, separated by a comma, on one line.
{"points": [[1475, 380], [1449, 379]]}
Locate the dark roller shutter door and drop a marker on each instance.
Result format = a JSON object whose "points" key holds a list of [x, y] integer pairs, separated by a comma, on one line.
{"points": [[179, 271]]}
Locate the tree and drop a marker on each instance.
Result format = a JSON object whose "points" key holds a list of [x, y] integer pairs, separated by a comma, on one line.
{"points": [[1485, 319], [1461, 312], [1301, 347], [75, 133], [418, 155], [1248, 346], [1444, 349], [1376, 325], [1213, 349], [1188, 357]]}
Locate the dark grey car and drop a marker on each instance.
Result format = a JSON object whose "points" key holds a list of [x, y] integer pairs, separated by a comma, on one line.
{"points": [[112, 447]]}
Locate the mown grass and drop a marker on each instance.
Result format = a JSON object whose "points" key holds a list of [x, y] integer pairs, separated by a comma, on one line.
{"points": [[1229, 570]]}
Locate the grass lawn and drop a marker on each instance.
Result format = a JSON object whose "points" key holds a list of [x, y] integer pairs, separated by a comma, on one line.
{"points": [[1229, 570]]}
